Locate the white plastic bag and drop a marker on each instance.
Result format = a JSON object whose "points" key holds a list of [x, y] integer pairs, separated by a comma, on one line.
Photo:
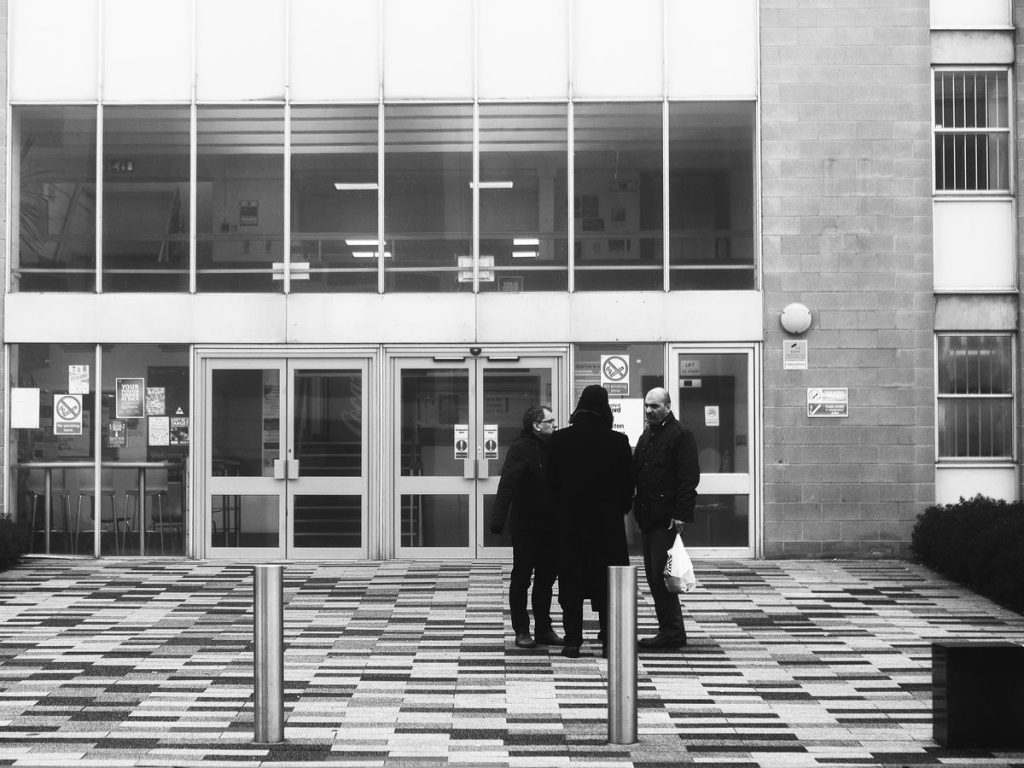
{"points": [[679, 575]]}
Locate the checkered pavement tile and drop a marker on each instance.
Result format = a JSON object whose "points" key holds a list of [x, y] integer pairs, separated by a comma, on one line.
{"points": [[400, 663]]}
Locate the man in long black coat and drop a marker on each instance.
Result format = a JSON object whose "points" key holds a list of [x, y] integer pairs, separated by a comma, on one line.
{"points": [[590, 476]]}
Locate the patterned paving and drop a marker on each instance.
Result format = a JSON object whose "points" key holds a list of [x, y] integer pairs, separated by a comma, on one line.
{"points": [[791, 664]]}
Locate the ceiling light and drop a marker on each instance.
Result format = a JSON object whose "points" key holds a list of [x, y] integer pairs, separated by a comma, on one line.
{"points": [[493, 184], [351, 186], [526, 241]]}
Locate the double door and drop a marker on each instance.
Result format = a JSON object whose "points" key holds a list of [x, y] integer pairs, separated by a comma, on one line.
{"points": [[454, 419], [285, 454]]}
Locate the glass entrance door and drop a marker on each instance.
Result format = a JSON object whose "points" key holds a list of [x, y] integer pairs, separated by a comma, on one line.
{"points": [[285, 459], [455, 418], [713, 395]]}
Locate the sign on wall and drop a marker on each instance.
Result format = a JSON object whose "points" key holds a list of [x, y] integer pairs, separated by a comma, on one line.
{"points": [[828, 402]]}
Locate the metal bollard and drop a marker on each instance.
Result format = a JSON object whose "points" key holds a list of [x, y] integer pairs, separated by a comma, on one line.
{"points": [[621, 654], [268, 654]]}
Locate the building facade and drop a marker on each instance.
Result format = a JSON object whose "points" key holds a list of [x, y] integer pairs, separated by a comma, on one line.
{"points": [[282, 277]]}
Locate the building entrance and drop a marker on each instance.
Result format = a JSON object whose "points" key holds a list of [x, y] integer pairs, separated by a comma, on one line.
{"points": [[454, 418], [284, 458]]}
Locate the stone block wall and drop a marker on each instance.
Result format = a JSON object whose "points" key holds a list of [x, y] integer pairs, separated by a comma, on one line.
{"points": [[846, 198]]}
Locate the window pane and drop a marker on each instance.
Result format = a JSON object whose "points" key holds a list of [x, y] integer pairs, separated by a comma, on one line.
{"points": [[328, 425], [428, 200], [37, 453], [976, 428], [152, 449], [145, 198], [618, 197], [54, 213], [972, 131], [435, 520], [975, 365], [323, 521], [334, 197], [523, 172], [711, 195], [239, 208]]}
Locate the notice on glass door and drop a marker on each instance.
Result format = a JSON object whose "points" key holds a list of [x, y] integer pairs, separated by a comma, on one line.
{"points": [[490, 441], [461, 441]]}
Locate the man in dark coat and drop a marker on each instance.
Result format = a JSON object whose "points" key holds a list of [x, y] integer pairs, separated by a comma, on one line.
{"points": [[667, 473], [522, 490], [590, 477]]}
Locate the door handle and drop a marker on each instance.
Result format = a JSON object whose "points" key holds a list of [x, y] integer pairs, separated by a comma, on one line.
{"points": [[280, 469], [482, 466], [292, 469], [469, 469]]}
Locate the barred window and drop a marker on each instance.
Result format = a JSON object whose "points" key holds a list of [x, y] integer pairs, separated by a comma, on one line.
{"points": [[972, 131], [975, 393]]}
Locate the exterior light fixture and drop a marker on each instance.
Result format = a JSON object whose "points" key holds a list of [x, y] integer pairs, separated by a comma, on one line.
{"points": [[796, 318]]}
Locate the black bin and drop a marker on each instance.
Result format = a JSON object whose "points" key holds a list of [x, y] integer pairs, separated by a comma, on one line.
{"points": [[978, 694]]}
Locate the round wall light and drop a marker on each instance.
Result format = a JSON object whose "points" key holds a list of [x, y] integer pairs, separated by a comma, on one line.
{"points": [[796, 318]]}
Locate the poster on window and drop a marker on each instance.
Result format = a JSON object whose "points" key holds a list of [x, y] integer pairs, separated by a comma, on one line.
{"points": [[78, 379], [155, 401], [159, 430], [128, 398]]}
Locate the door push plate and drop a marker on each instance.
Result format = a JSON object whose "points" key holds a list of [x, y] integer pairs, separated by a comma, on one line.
{"points": [[280, 469], [293, 469], [469, 469], [481, 469]]}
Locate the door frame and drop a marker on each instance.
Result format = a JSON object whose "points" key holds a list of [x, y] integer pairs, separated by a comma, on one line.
{"points": [[256, 356], [559, 354], [748, 483]]}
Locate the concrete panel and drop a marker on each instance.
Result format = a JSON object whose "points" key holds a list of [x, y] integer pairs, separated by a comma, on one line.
{"points": [[984, 312], [976, 14], [974, 247], [953, 482], [970, 47]]}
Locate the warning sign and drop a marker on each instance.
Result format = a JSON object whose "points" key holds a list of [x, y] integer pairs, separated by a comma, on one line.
{"points": [[67, 414], [828, 402], [461, 441], [615, 374], [490, 441]]}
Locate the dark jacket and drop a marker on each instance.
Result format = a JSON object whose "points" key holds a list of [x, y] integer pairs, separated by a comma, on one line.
{"points": [[522, 490], [590, 478], [667, 473]]}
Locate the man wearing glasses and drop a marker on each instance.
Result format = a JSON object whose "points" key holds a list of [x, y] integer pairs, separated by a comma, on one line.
{"points": [[522, 491]]}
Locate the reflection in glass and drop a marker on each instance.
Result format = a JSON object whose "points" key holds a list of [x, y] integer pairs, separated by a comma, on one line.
{"points": [[245, 422], [719, 521], [508, 393], [54, 207], [716, 380], [329, 423], [711, 195], [433, 402], [428, 198], [244, 521], [145, 198], [239, 197], [617, 210], [334, 197], [523, 172], [328, 521], [435, 520]]}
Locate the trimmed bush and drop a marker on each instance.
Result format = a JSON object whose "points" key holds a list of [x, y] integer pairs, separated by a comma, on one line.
{"points": [[977, 542], [13, 542]]}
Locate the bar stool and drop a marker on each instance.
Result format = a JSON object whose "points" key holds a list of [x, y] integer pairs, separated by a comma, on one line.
{"points": [[107, 522], [37, 505], [157, 515]]}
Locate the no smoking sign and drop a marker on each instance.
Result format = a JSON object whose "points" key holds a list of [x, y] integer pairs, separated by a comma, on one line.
{"points": [[615, 374], [67, 415]]}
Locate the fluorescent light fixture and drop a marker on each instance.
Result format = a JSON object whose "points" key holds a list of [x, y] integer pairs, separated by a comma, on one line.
{"points": [[524, 254], [352, 186], [369, 254], [526, 241], [361, 242], [493, 184]]}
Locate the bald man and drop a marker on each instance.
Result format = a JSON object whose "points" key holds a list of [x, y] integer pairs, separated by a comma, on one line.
{"points": [[667, 474]]}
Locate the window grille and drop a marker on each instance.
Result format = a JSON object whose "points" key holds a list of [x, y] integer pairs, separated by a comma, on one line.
{"points": [[972, 131], [975, 397]]}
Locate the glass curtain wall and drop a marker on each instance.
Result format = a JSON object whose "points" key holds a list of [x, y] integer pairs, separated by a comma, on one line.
{"points": [[239, 198], [617, 206], [145, 198], [428, 197], [144, 433], [334, 191], [54, 198]]}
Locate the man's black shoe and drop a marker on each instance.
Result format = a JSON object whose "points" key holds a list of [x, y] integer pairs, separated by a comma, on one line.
{"points": [[571, 651], [661, 641], [549, 638], [525, 640]]}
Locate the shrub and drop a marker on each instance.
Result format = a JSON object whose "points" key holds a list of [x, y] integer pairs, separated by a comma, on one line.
{"points": [[978, 542], [13, 541]]}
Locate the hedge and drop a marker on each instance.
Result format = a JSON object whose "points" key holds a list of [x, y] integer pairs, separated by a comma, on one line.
{"points": [[13, 542], [977, 542]]}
